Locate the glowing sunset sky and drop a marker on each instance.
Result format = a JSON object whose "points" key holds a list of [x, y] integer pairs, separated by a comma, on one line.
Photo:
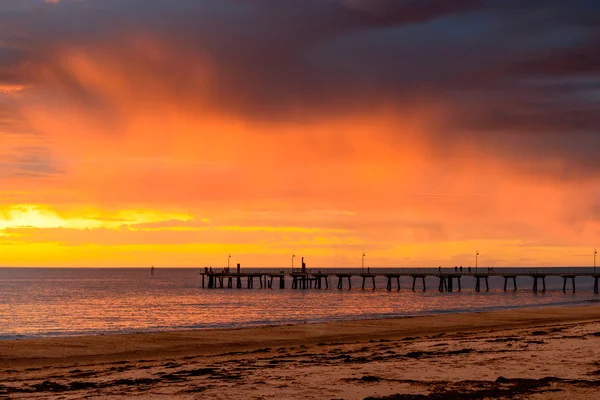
{"points": [[175, 132]]}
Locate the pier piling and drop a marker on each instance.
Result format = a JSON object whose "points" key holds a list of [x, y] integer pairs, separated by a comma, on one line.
{"points": [[340, 280], [364, 277], [478, 279], [443, 284], [565, 277], [507, 277], [390, 277], [414, 278], [535, 282]]}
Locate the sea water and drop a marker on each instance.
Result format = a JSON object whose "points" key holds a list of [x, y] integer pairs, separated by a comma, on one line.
{"points": [[46, 302]]}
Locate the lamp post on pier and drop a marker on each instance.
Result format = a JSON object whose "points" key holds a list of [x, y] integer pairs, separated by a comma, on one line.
{"points": [[293, 256], [476, 260], [363, 263], [228, 259], [595, 252]]}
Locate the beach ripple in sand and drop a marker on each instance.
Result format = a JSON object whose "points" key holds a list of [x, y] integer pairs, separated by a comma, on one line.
{"points": [[556, 360]]}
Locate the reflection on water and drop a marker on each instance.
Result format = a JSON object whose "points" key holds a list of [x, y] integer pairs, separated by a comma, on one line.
{"points": [[57, 302]]}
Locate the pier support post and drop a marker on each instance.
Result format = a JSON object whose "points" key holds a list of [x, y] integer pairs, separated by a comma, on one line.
{"points": [[364, 279], [221, 282], [565, 283], [398, 282], [536, 286], [543, 284], [443, 283], [596, 284], [415, 277], [239, 282], [389, 283], [339, 282], [229, 282], [514, 278], [202, 281], [349, 282], [477, 284], [282, 282], [458, 279]]}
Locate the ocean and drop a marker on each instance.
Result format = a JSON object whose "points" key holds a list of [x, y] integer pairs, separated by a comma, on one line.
{"points": [[46, 302]]}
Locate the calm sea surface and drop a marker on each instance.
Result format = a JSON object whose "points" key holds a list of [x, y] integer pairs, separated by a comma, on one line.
{"points": [[61, 302]]}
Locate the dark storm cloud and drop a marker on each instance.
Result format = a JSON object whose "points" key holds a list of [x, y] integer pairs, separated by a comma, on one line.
{"points": [[527, 67], [580, 59], [264, 51], [28, 162]]}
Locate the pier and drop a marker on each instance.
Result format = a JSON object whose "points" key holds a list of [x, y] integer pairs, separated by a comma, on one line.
{"points": [[448, 279]]}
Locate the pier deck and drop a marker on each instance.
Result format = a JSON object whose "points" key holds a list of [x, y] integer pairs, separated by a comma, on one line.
{"points": [[449, 279]]}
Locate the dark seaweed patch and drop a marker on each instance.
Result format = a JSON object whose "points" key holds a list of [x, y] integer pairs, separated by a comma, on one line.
{"points": [[479, 390]]}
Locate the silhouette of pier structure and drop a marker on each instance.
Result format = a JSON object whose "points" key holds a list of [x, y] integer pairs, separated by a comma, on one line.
{"points": [[448, 279]]}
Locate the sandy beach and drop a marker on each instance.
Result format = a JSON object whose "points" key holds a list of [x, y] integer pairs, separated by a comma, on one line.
{"points": [[545, 353]]}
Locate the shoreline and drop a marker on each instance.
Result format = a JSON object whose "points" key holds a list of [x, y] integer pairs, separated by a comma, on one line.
{"points": [[210, 342], [250, 325], [550, 352]]}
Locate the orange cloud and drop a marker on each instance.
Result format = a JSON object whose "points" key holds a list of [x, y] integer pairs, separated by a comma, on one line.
{"points": [[139, 148]]}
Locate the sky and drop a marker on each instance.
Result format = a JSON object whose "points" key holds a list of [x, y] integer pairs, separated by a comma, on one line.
{"points": [[179, 132]]}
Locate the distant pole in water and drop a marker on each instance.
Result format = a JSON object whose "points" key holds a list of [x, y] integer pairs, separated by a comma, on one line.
{"points": [[476, 260], [293, 256], [363, 263]]}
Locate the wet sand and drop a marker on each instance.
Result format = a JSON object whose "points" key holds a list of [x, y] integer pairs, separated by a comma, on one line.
{"points": [[545, 353]]}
